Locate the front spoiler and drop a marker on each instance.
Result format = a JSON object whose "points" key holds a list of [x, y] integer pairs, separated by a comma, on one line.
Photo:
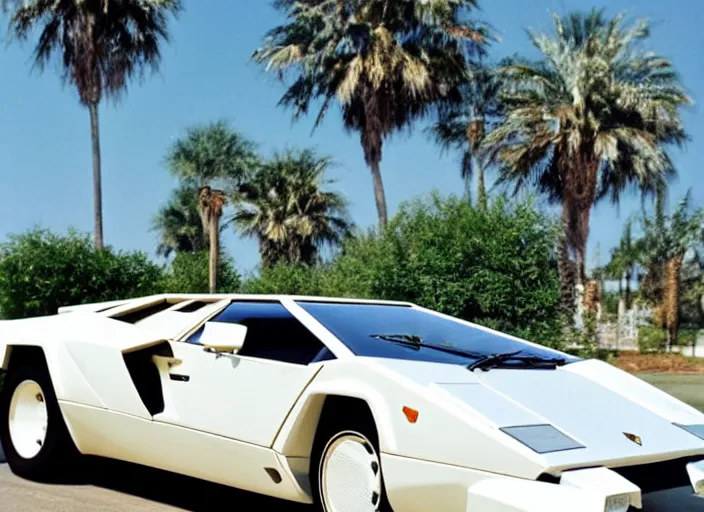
{"points": [[586, 490], [420, 486]]}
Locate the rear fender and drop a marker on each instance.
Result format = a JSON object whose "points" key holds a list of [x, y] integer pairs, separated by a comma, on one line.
{"points": [[85, 356]]}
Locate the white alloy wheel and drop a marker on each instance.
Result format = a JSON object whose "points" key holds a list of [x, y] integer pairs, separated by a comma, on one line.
{"points": [[28, 419], [350, 475]]}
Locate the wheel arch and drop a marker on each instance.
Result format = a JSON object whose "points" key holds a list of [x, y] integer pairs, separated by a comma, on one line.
{"points": [[296, 438], [17, 353]]}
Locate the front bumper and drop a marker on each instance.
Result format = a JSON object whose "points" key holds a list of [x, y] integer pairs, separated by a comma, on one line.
{"points": [[419, 486]]}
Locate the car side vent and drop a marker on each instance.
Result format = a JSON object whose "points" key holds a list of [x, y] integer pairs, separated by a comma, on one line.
{"points": [[192, 307], [133, 317], [549, 479], [274, 475], [145, 375]]}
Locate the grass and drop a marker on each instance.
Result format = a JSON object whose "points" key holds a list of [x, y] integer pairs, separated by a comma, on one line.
{"points": [[688, 387]]}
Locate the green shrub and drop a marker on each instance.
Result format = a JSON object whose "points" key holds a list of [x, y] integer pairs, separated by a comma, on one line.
{"points": [[189, 273], [687, 337], [287, 279], [41, 271], [651, 339]]}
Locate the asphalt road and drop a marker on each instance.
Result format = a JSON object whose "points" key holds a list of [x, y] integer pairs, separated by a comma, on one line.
{"points": [[118, 486]]}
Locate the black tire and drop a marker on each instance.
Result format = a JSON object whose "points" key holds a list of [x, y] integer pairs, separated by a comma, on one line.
{"points": [[58, 456], [335, 423]]}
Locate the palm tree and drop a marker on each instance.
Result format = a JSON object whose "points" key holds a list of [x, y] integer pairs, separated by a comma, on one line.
{"points": [[464, 126], [211, 204], [624, 262], [179, 224], [286, 209], [594, 117], [100, 45], [666, 243], [385, 63], [212, 153], [212, 160]]}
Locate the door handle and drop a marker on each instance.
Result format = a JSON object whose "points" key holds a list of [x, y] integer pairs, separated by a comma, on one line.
{"points": [[168, 362]]}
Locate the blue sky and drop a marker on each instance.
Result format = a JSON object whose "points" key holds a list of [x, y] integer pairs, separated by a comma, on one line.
{"points": [[206, 75]]}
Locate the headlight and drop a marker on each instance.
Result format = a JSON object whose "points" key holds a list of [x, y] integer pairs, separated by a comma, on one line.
{"points": [[617, 493], [620, 503], [542, 438], [695, 430], [695, 470]]}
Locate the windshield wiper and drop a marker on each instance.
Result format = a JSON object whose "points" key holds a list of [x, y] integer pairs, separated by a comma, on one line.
{"points": [[415, 341], [492, 361]]}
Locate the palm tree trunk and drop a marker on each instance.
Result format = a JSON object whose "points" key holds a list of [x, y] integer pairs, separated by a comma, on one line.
{"points": [[379, 194], [620, 313], [214, 253], [97, 178], [482, 201], [672, 299], [629, 276], [566, 275]]}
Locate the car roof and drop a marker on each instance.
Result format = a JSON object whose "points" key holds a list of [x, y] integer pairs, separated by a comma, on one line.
{"points": [[175, 298]]}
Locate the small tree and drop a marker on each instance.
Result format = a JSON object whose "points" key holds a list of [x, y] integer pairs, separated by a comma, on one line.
{"points": [[213, 160], [41, 271], [190, 273], [667, 241]]}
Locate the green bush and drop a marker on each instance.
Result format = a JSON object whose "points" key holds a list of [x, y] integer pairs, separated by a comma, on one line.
{"points": [[41, 271], [189, 273], [687, 337], [495, 267], [286, 279], [651, 339]]}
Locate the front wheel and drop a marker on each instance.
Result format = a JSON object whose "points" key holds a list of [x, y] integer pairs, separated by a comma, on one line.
{"points": [[348, 464], [35, 438]]}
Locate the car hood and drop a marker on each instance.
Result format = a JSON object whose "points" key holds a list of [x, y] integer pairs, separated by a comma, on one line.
{"points": [[593, 402]]}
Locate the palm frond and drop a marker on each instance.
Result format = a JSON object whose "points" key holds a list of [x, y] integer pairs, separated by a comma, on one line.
{"points": [[99, 46], [285, 208]]}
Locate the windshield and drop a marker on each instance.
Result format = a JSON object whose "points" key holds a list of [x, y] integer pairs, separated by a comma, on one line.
{"points": [[358, 326]]}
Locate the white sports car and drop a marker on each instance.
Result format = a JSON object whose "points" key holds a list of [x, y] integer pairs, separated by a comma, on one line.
{"points": [[350, 405]]}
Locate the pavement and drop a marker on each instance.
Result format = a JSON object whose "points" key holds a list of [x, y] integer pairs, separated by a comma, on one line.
{"points": [[118, 486]]}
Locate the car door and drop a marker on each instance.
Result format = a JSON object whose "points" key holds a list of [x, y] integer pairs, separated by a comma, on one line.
{"points": [[246, 396]]}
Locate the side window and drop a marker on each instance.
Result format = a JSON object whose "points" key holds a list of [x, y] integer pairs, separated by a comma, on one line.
{"points": [[272, 333]]}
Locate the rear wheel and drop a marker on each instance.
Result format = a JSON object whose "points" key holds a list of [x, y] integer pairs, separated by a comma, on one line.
{"points": [[35, 438], [346, 470]]}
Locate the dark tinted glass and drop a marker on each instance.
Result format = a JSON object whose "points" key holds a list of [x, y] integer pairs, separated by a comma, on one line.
{"points": [[354, 324], [272, 333]]}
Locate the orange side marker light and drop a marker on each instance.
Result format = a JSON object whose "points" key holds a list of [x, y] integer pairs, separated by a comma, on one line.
{"points": [[411, 414]]}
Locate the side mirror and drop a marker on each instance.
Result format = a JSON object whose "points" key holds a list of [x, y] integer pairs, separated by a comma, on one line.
{"points": [[223, 338]]}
